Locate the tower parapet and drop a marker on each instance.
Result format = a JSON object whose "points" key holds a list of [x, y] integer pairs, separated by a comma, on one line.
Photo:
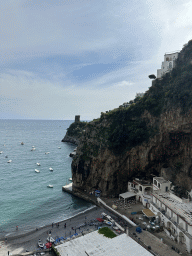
{"points": [[77, 119]]}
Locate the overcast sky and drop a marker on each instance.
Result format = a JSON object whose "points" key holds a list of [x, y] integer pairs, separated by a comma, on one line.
{"points": [[60, 58]]}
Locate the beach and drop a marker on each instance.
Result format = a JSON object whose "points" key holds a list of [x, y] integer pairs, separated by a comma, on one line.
{"points": [[19, 242]]}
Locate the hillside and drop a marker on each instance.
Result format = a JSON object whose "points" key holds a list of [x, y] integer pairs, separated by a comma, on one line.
{"points": [[150, 137]]}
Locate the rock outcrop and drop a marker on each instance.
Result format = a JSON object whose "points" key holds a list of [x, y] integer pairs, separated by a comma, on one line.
{"points": [[151, 137], [70, 139]]}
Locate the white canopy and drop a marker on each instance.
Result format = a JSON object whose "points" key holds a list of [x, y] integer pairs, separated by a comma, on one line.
{"points": [[127, 195]]}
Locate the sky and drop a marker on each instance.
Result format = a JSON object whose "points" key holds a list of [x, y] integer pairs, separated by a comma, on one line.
{"points": [[61, 58]]}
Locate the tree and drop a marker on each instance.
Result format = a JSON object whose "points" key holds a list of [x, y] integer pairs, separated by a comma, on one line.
{"points": [[152, 76]]}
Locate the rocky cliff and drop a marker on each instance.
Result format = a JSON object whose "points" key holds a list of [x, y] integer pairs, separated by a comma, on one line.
{"points": [[74, 132], [153, 136]]}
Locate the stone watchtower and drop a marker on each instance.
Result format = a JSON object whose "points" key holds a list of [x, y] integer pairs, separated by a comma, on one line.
{"points": [[77, 119]]}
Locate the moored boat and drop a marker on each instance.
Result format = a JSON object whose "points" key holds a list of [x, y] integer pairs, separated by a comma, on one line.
{"points": [[37, 170], [50, 186]]}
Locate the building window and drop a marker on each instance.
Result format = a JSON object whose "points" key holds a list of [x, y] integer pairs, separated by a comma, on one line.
{"points": [[158, 185], [140, 188], [170, 64], [167, 59], [155, 182]]}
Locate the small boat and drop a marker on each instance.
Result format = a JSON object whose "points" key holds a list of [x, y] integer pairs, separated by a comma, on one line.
{"points": [[59, 147], [70, 179], [50, 169], [47, 153], [33, 146], [38, 164], [1, 152], [22, 143], [50, 186], [33, 149], [37, 170], [40, 244], [9, 161], [6, 156]]}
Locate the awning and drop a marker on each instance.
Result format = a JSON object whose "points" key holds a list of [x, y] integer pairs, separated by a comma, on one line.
{"points": [[127, 195], [148, 213]]}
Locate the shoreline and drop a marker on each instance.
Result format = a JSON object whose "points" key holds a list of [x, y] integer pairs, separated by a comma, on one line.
{"points": [[20, 234], [19, 243]]}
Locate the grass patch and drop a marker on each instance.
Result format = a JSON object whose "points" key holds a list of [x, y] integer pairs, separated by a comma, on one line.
{"points": [[107, 232]]}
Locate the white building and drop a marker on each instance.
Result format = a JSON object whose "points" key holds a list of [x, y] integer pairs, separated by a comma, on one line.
{"points": [[160, 184], [125, 105], [142, 189], [175, 213], [96, 244], [168, 64], [139, 94]]}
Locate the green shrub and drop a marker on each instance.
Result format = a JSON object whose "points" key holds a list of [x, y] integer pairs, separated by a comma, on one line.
{"points": [[107, 232]]}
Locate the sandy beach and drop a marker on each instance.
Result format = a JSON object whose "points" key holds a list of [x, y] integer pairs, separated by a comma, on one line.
{"points": [[20, 242]]}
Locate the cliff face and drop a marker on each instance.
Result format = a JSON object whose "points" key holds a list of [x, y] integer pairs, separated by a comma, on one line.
{"points": [[74, 132], [70, 139], [151, 137]]}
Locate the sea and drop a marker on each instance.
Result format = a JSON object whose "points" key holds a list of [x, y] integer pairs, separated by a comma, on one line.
{"points": [[25, 199]]}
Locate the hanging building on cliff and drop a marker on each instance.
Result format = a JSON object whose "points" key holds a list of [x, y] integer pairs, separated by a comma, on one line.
{"points": [[168, 64]]}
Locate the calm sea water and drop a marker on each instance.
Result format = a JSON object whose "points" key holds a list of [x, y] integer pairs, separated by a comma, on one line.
{"points": [[25, 199]]}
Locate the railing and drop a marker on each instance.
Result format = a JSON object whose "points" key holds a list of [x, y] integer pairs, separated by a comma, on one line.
{"points": [[174, 222]]}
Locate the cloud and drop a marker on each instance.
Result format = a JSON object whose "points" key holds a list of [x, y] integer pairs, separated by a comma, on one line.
{"points": [[63, 57]]}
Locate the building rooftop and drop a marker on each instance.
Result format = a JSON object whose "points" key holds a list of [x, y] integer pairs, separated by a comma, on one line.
{"points": [[95, 244], [142, 182], [161, 180], [181, 208]]}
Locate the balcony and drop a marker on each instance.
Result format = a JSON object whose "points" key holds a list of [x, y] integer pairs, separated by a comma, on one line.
{"points": [[172, 220]]}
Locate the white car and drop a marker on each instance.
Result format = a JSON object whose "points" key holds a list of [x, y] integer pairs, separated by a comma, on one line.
{"points": [[107, 222]]}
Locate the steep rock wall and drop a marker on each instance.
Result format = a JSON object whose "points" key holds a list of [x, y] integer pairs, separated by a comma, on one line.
{"points": [[168, 153]]}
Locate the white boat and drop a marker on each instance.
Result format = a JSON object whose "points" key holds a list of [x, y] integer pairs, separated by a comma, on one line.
{"points": [[37, 170], [50, 239], [70, 179], [38, 164], [59, 147], [50, 186], [51, 169], [40, 244], [47, 153], [9, 161], [1, 152], [33, 149], [33, 146]]}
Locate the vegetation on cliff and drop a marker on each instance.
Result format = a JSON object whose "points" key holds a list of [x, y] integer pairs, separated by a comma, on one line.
{"points": [[121, 144], [76, 129], [128, 128]]}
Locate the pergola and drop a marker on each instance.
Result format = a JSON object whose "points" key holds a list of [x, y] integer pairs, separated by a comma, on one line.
{"points": [[126, 195]]}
